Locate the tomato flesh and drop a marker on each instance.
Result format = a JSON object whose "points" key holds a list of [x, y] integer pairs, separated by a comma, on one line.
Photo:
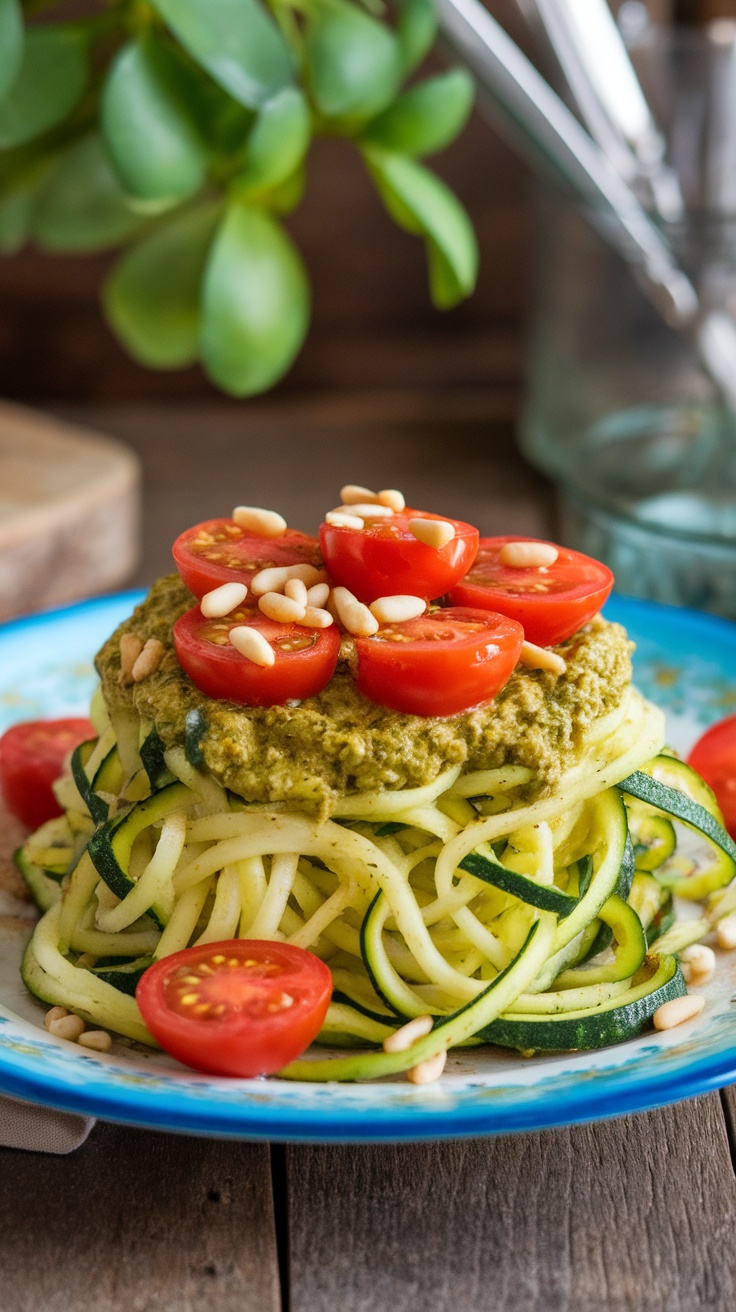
{"points": [[32, 756], [714, 758], [385, 559], [305, 658], [243, 1007], [217, 552], [551, 602], [440, 664]]}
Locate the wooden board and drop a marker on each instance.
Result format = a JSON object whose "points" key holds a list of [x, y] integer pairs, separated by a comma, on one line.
{"points": [[68, 512], [633, 1215], [138, 1221]]}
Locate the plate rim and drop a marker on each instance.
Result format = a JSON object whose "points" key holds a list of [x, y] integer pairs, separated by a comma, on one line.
{"points": [[181, 1112]]}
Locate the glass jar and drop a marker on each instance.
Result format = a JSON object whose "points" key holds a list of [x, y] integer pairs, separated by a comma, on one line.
{"points": [[618, 408]]}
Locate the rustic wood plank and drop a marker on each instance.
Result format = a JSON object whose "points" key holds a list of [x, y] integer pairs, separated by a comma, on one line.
{"points": [[68, 512], [633, 1215], [136, 1220]]}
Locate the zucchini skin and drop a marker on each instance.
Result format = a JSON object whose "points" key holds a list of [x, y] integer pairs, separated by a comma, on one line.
{"points": [[704, 817], [105, 845], [44, 888], [598, 1028], [544, 896]]}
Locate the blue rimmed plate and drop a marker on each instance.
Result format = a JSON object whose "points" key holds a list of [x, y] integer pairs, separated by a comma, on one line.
{"points": [[685, 661]]}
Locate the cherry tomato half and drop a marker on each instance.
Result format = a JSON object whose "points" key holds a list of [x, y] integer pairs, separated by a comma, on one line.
{"points": [[441, 663], [244, 1007], [714, 757], [217, 551], [31, 758], [384, 558], [305, 658], [551, 602]]}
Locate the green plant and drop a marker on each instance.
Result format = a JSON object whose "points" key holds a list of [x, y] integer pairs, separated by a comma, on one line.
{"points": [[181, 128]]}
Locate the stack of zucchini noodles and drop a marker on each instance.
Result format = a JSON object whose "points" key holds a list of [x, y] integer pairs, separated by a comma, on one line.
{"points": [[539, 926]]}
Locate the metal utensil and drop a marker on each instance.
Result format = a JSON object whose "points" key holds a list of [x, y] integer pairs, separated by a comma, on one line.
{"points": [[541, 127], [607, 92]]}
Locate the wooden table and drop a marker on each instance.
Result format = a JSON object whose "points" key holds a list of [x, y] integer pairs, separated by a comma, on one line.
{"points": [[633, 1215]]}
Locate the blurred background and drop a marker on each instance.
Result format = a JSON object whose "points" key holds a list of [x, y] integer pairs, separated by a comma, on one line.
{"points": [[386, 390]]}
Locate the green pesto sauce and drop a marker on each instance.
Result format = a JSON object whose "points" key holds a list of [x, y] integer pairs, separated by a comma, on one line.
{"points": [[340, 742]]}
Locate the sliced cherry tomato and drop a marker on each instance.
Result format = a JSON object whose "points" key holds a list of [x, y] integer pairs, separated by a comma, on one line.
{"points": [[305, 659], [244, 1007], [552, 602], [217, 551], [32, 755], [385, 559], [714, 757], [441, 663]]}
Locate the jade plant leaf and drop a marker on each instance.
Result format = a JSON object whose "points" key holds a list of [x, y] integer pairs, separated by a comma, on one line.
{"points": [[255, 302], [354, 62], [420, 202], [277, 144], [427, 117], [149, 123], [152, 297], [81, 206], [11, 43], [236, 41], [416, 30], [50, 82]]}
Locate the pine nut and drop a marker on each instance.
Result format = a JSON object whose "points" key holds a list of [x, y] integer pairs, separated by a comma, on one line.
{"points": [[264, 523], [401, 1039], [369, 510], [220, 601], [296, 591], [338, 520], [541, 658], [353, 615], [352, 493], [56, 1013], [282, 609], [131, 647], [97, 1040], [393, 498], [67, 1027], [148, 661], [317, 596], [678, 1011], [432, 532], [700, 961], [394, 610], [275, 578], [428, 1071], [316, 618], [252, 644], [528, 555], [726, 932]]}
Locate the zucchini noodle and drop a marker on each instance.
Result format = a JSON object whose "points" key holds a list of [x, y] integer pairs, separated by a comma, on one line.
{"points": [[528, 924]]}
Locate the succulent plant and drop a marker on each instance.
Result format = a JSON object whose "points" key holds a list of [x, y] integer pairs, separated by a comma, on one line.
{"points": [[180, 130]]}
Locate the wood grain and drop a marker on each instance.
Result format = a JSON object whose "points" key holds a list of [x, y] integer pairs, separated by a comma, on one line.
{"points": [[68, 511], [137, 1221], [634, 1215]]}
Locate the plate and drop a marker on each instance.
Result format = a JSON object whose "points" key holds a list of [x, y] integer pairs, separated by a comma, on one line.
{"points": [[684, 661]]}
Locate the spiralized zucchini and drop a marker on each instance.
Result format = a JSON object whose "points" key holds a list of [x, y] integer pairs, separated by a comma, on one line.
{"points": [[525, 924]]}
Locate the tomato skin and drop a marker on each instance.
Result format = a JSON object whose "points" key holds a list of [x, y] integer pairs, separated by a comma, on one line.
{"points": [[430, 677], [220, 671], [385, 559], [577, 586], [714, 758], [31, 759], [246, 1039], [235, 556]]}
